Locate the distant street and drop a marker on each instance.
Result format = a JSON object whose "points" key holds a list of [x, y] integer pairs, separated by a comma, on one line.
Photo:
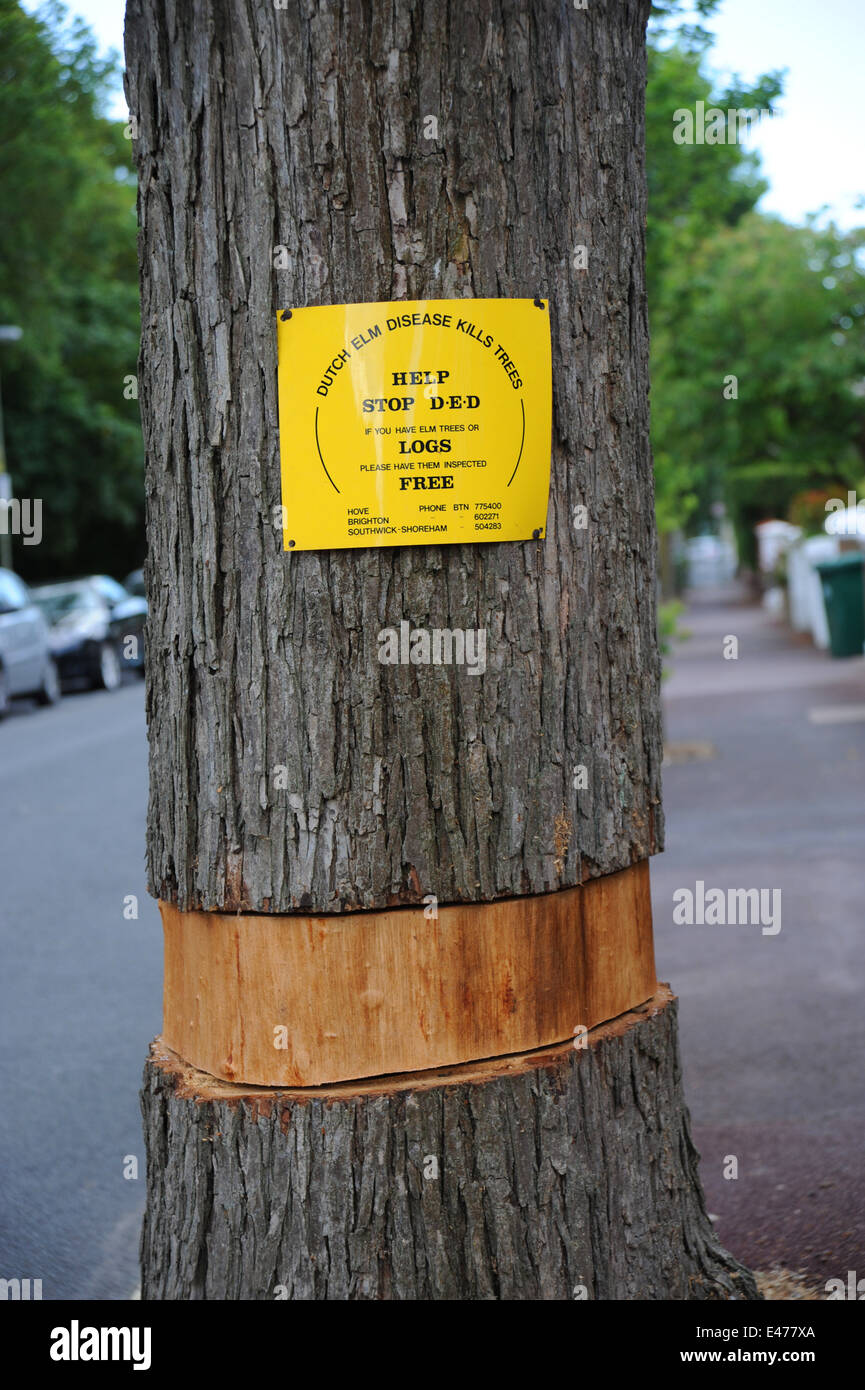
{"points": [[80, 991], [773, 1029]]}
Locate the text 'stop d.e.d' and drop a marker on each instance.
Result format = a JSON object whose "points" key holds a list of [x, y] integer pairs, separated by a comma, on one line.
{"points": [[414, 423]]}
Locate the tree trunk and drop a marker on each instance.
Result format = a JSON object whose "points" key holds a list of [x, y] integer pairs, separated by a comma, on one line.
{"points": [[307, 128], [566, 1174], [303, 128]]}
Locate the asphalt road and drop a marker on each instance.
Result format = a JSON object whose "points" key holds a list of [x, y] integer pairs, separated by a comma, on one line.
{"points": [[772, 1027], [81, 991]]}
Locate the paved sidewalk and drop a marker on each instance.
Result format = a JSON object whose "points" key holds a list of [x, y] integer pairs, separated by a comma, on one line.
{"points": [[773, 1026]]}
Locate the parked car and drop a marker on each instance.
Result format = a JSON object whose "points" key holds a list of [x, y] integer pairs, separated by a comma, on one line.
{"points": [[27, 666], [91, 622], [128, 616]]}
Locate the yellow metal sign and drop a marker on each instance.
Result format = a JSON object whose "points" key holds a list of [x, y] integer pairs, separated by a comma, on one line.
{"points": [[422, 422]]}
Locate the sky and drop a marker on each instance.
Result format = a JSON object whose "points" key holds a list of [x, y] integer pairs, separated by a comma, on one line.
{"points": [[812, 153]]}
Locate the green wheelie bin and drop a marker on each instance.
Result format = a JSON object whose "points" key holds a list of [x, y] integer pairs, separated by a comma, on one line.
{"points": [[844, 596]]}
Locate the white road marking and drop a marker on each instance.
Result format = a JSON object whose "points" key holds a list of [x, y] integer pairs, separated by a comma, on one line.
{"points": [[837, 714]]}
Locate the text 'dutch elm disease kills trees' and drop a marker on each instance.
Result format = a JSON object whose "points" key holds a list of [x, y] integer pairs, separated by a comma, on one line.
{"points": [[366, 441], [404, 788]]}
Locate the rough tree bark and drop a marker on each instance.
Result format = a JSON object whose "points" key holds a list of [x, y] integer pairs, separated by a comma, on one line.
{"points": [[306, 128], [562, 1174], [303, 128]]}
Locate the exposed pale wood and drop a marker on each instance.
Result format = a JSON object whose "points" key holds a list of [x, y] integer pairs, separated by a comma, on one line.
{"points": [[369, 993], [556, 1170]]}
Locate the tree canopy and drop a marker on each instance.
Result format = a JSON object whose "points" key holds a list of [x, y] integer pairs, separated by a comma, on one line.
{"points": [[68, 277], [758, 351]]}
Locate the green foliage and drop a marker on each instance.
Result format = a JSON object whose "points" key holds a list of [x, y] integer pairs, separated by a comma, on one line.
{"points": [[666, 18], [693, 188], [733, 293], [68, 277], [670, 630], [782, 310], [808, 509]]}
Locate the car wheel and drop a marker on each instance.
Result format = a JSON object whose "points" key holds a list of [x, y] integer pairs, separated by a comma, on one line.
{"points": [[108, 675], [49, 691], [4, 694]]}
